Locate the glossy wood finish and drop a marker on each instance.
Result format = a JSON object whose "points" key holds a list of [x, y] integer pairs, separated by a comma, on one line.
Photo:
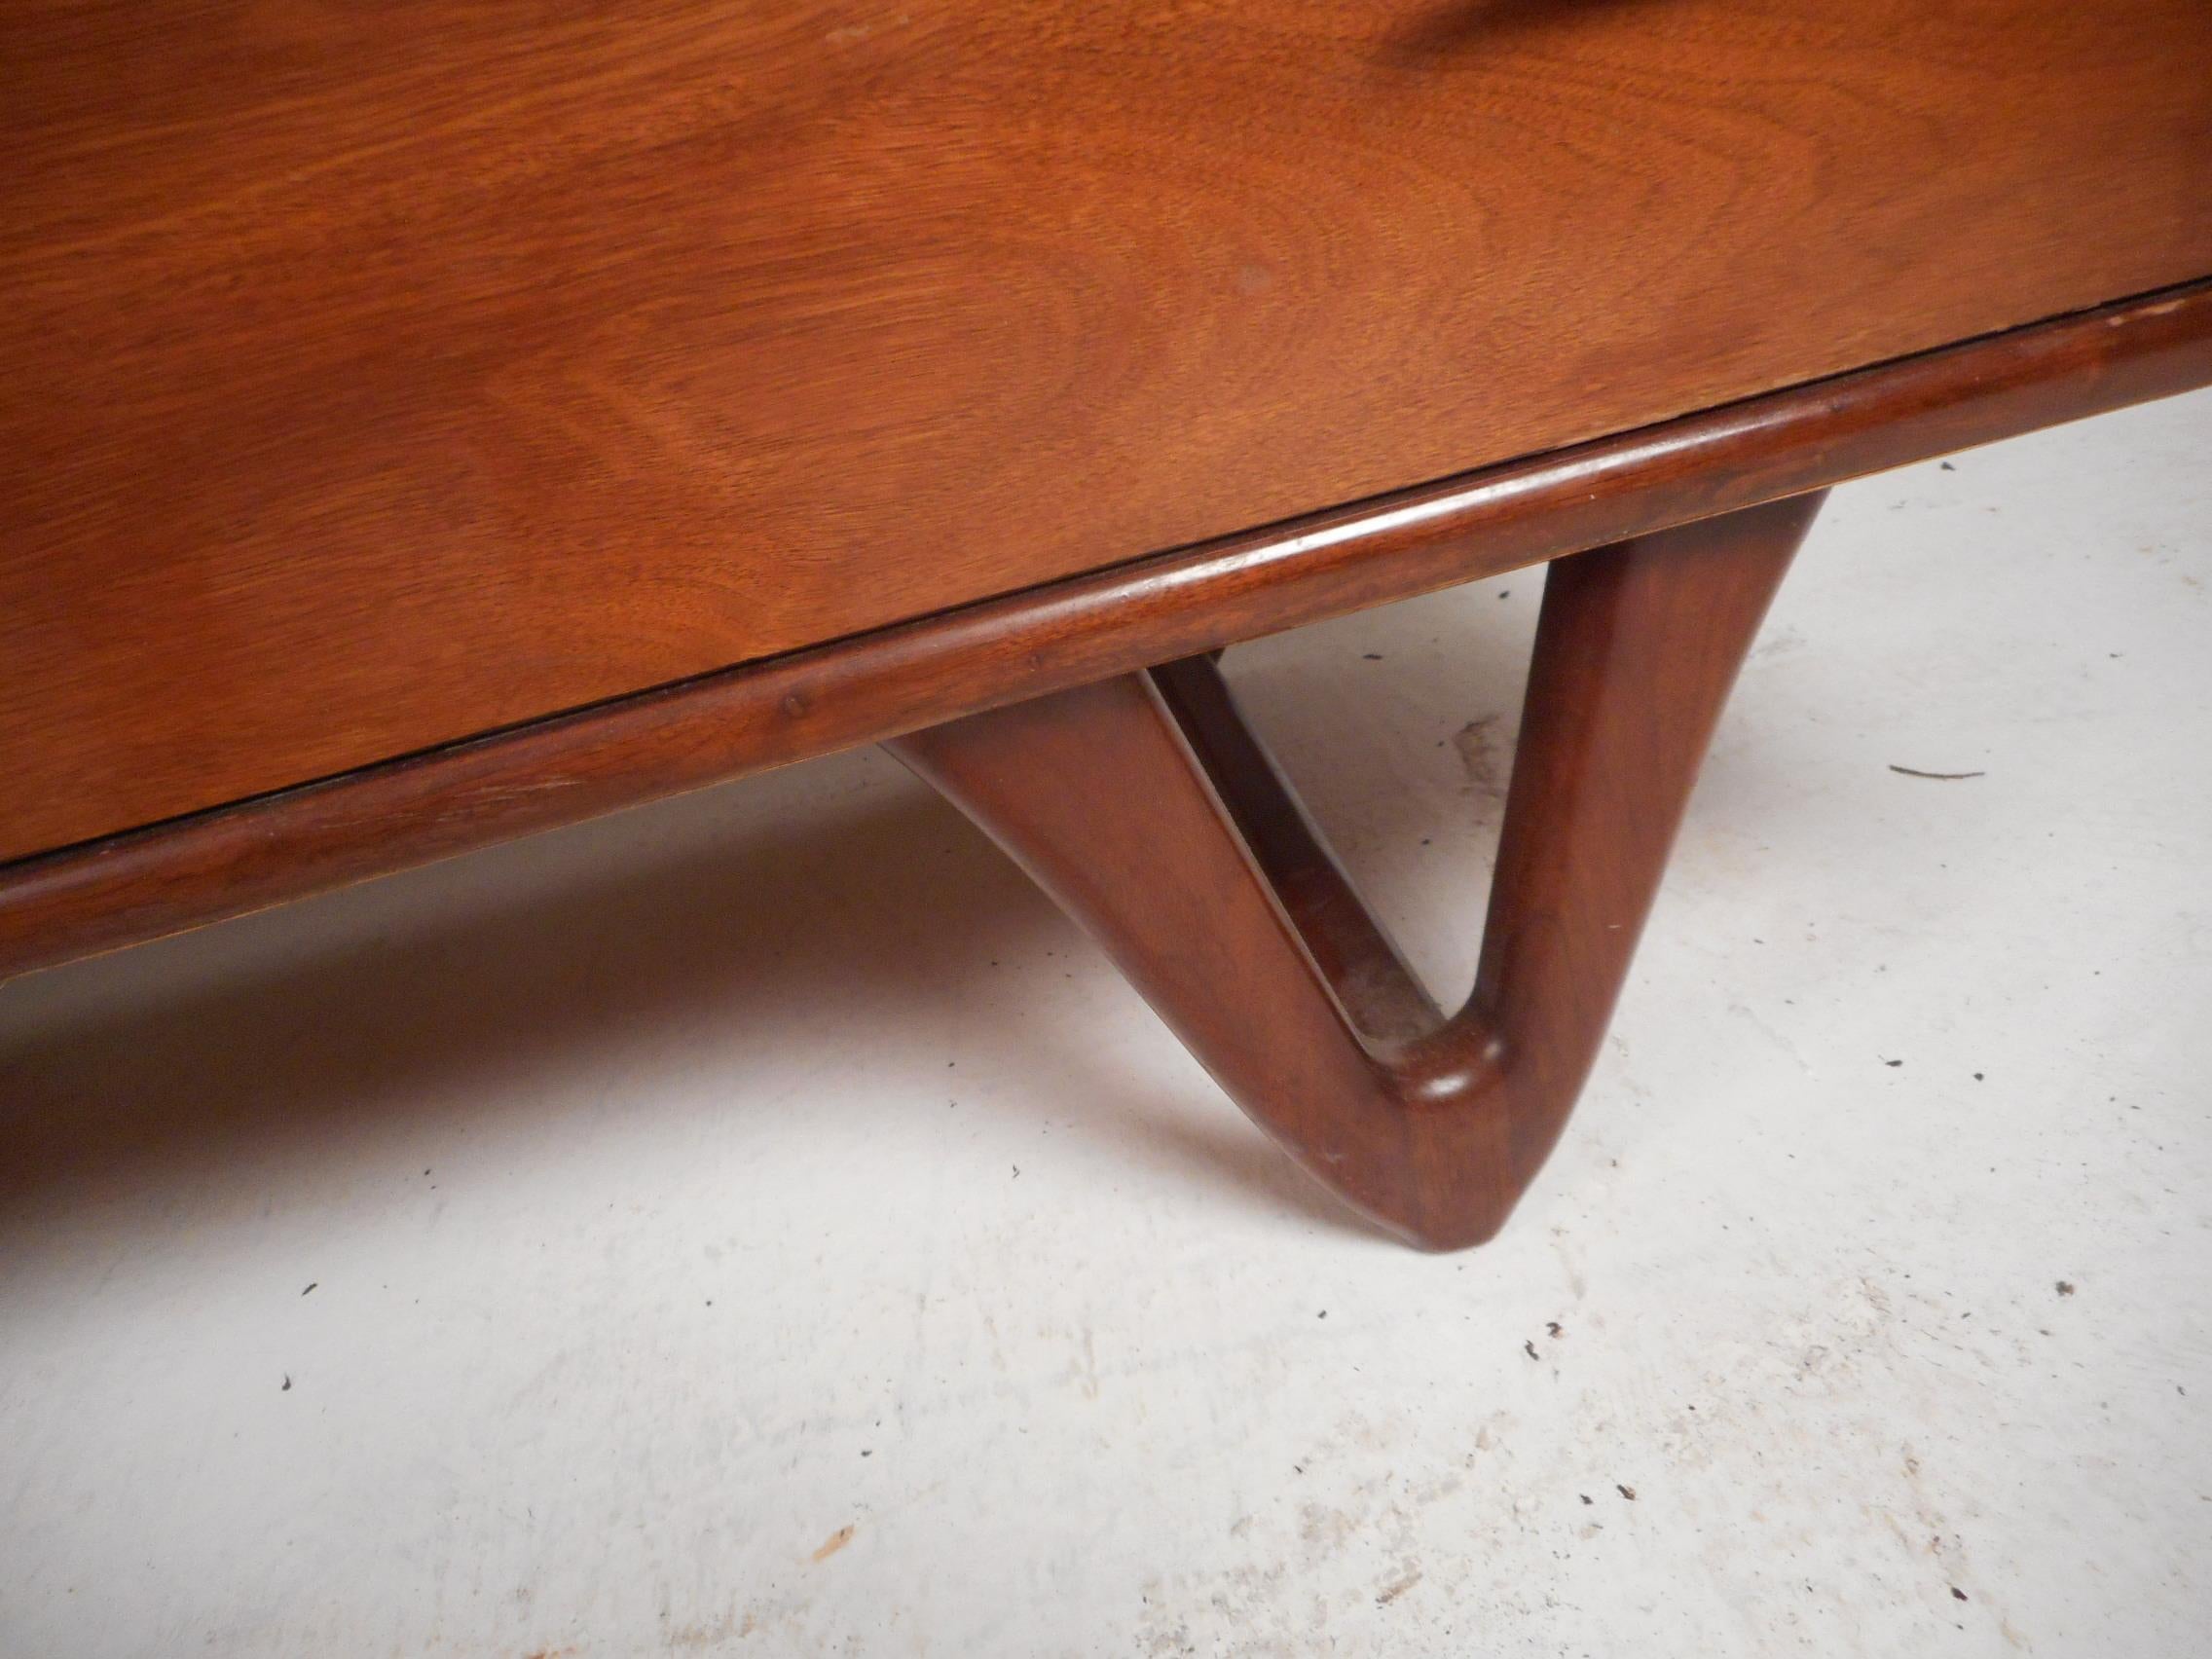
{"points": [[126, 888], [379, 375], [1150, 812]]}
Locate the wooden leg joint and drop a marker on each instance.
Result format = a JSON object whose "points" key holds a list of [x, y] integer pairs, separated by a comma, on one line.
{"points": [[1145, 807]]}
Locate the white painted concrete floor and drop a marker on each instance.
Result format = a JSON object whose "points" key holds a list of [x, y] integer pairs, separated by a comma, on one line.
{"points": [[760, 1224]]}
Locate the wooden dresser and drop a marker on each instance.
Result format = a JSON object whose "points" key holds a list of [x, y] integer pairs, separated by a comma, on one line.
{"points": [[427, 425]]}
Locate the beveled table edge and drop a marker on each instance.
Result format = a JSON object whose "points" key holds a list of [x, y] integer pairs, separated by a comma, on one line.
{"points": [[248, 856]]}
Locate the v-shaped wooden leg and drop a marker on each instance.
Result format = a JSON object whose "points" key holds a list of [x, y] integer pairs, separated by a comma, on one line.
{"points": [[1148, 809]]}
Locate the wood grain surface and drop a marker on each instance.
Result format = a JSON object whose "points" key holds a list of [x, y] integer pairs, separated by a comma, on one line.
{"points": [[250, 855], [377, 376]]}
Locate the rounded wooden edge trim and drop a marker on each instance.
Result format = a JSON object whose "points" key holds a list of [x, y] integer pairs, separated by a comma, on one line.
{"points": [[165, 878]]}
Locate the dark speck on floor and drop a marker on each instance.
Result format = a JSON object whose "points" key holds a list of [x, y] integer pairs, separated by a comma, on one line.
{"points": [[311, 1286], [1530, 1349], [2066, 1287], [287, 1388], [1627, 1492], [1937, 776], [1958, 1594]]}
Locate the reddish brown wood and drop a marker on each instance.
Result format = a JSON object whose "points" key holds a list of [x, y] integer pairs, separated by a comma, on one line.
{"points": [[1152, 814], [379, 375], [123, 889]]}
